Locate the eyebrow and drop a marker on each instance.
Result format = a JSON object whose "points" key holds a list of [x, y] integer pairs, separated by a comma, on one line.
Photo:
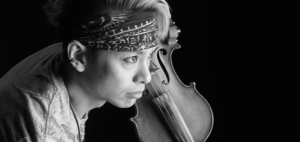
{"points": [[143, 52], [155, 50]]}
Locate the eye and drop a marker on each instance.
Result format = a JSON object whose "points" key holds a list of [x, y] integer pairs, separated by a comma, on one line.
{"points": [[131, 59]]}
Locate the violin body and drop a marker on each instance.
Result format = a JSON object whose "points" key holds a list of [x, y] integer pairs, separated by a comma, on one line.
{"points": [[150, 120]]}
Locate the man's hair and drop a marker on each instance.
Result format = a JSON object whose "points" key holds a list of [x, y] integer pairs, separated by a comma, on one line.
{"points": [[64, 13]]}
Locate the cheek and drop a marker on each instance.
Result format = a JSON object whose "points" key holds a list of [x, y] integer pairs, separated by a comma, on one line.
{"points": [[112, 80]]}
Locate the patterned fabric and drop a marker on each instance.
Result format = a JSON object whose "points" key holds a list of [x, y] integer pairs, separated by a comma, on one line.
{"points": [[119, 32], [34, 102], [82, 126]]}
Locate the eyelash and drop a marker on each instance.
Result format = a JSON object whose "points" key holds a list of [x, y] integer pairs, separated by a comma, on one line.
{"points": [[132, 58]]}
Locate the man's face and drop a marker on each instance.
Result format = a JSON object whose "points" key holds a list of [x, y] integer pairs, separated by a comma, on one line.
{"points": [[118, 77]]}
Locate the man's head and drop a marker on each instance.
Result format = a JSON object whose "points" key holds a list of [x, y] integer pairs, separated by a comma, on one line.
{"points": [[107, 63], [64, 14]]}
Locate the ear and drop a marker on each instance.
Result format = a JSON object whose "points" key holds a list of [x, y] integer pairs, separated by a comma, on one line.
{"points": [[77, 54]]}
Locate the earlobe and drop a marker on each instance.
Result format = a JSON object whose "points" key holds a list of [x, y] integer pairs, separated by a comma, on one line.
{"points": [[76, 53], [77, 65]]}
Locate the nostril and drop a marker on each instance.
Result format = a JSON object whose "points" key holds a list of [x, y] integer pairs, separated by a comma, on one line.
{"points": [[145, 93]]}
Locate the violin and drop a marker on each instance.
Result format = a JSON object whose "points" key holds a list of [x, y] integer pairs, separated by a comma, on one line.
{"points": [[169, 110]]}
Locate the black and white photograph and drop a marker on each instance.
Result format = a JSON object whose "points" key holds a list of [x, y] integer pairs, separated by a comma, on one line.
{"points": [[140, 71]]}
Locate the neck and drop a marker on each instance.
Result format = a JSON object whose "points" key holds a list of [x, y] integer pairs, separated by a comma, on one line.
{"points": [[81, 101]]}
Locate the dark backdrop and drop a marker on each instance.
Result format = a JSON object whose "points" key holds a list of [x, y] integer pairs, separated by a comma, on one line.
{"points": [[224, 50]]}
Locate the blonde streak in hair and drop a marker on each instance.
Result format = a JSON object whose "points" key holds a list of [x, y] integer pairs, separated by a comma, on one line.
{"points": [[161, 10], [163, 17]]}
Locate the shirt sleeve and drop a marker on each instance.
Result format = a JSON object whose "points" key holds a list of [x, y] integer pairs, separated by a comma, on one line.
{"points": [[15, 119]]}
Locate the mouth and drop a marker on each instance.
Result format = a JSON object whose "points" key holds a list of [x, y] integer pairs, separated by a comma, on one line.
{"points": [[134, 95]]}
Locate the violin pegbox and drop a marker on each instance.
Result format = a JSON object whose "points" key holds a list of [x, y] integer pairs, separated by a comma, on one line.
{"points": [[173, 34]]}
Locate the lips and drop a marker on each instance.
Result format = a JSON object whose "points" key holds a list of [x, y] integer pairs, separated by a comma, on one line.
{"points": [[135, 95]]}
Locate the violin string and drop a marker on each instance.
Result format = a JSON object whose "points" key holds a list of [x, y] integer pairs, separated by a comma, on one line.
{"points": [[157, 96], [171, 121], [157, 105], [169, 95], [164, 106]]}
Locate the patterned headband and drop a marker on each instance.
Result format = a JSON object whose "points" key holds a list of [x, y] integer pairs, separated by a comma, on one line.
{"points": [[119, 32]]}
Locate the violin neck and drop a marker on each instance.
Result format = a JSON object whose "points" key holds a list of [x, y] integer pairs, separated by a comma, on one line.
{"points": [[170, 112]]}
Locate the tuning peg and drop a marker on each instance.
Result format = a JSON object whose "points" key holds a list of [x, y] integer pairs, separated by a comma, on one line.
{"points": [[178, 30]]}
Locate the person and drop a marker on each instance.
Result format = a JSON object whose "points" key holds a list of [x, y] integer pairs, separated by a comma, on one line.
{"points": [[104, 56]]}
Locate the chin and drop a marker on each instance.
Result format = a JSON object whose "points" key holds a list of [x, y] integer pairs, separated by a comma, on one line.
{"points": [[128, 105], [124, 104]]}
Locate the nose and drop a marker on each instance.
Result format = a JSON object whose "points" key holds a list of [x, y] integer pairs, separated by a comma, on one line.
{"points": [[143, 75]]}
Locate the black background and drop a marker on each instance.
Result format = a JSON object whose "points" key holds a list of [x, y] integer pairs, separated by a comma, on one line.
{"points": [[227, 49]]}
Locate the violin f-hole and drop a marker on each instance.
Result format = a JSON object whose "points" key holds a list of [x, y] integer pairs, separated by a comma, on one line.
{"points": [[163, 52]]}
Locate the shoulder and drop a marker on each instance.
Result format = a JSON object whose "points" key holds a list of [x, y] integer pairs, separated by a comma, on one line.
{"points": [[34, 82], [34, 92], [27, 90], [33, 74]]}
